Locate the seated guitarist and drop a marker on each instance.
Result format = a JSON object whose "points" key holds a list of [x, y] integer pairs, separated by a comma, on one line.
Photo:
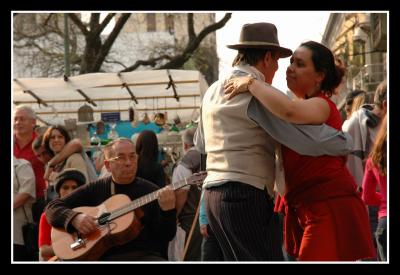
{"points": [[154, 223]]}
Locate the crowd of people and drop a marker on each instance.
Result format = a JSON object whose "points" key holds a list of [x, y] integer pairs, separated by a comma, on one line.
{"points": [[287, 180]]}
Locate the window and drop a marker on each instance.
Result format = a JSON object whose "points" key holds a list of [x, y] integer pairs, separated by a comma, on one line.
{"points": [[379, 32], [151, 22], [169, 23], [359, 53]]}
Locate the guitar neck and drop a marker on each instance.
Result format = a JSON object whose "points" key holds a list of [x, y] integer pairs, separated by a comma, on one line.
{"points": [[143, 201]]}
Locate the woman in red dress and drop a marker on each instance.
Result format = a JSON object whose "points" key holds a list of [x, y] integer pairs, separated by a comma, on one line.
{"points": [[325, 218]]}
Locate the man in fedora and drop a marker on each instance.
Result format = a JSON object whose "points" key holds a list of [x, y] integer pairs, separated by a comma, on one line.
{"points": [[238, 136]]}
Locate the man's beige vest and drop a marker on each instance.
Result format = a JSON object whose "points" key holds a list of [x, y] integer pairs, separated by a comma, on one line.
{"points": [[237, 148]]}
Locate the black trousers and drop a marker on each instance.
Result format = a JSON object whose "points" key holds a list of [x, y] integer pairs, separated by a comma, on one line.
{"points": [[21, 254], [244, 223], [193, 252], [210, 249], [142, 256]]}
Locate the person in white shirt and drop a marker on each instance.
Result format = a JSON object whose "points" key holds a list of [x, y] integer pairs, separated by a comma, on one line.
{"points": [[24, 195], [188, 197]]}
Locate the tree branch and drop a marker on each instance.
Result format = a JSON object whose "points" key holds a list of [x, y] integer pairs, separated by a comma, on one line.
{"points": [[218, 25], [47, 19], [45, 51], [192, 45], [103, 24], [94, 22], [115, 62], [105, 49], [191, 33], [149, 62], [78, 22], [19, 35]]}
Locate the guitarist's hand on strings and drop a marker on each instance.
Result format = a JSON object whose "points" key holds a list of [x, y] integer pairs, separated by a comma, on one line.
{"points": [[85, 224], [166, 198]]}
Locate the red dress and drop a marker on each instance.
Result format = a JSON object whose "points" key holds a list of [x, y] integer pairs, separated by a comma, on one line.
{"points": [[44, 231], [325, 218]]}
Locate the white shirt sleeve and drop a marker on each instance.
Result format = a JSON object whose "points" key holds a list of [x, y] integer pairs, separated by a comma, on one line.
{"points": [[198, 138], [180, 173], [26, 179]]}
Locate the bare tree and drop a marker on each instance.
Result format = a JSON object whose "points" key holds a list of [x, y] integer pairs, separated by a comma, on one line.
{"points": [[95, 50], [193, 43], [47, 41], [39, 44]]}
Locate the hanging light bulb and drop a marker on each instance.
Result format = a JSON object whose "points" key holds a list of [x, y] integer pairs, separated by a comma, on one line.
{"points": [[131, 114]]}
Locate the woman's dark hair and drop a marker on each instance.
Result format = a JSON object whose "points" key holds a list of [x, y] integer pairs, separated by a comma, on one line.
{"points": [[250, 56], [46, 136], [324, 61], [38, 142], [147, 146]]}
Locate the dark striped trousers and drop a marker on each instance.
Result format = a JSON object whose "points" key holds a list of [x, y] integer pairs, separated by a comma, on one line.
{"points": [[244, 223]]}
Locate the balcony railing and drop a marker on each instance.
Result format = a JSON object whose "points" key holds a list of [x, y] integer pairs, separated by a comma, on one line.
{"points": [[368, 77]]}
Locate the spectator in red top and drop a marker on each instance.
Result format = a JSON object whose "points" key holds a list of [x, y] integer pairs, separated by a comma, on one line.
{"points": [[66, 183], [325, 220], [375, 178], [23, 124]]}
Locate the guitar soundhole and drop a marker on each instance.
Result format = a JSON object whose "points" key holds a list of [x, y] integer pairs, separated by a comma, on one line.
{"points": [[103, 219]]}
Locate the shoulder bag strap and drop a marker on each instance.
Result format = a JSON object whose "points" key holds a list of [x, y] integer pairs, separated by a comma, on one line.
{"points": [[23, 206]]}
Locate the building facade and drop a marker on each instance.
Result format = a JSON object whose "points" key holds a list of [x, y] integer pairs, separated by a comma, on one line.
{"points": [[359, 42]]}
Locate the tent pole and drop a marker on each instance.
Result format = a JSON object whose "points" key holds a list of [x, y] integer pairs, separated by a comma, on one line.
{"points": [[66, 46]]}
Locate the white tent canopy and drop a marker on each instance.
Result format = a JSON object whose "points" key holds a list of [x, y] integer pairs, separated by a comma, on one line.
{"points": [[64, 97]]}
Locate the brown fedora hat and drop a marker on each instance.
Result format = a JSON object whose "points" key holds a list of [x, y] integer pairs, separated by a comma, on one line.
{"points": [[260, 36]]}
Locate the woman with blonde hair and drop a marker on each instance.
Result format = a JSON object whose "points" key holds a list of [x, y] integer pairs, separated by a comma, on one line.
{"points": [[354, 100]]}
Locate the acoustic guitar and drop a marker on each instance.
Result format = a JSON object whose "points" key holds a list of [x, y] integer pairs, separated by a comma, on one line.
{"points": [[118, 223]]}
